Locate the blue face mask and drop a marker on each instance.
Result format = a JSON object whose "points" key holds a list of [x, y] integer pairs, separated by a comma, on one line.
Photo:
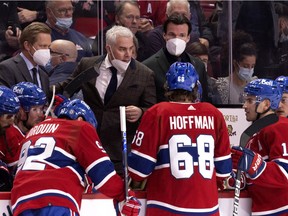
{"points": [[246, 73], [64, 23]]}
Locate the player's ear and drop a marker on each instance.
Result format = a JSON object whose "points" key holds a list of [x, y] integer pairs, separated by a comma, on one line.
{"points": [[80, 118]]}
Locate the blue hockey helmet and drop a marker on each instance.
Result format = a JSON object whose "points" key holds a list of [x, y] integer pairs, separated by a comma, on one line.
{"points": [[182, 76], [73, 109], [9, 102], [265, 89], [283, 83], [29, 95]]}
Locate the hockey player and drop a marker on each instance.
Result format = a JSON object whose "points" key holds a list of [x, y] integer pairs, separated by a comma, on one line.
{"points": [[283, 105], [54, 158], [32, 100], [9, 106], [265, 157], [181, 148]]}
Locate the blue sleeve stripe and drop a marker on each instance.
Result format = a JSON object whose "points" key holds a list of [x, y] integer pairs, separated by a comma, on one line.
{"points": [[140, 164], [100, 171], [283, 163], [223, 167]]}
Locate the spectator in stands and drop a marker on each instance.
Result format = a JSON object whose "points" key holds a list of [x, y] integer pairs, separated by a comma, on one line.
{"points": [[244, 60], [63, 60], [127, 15], [9, 29], [260, 20], [59, 19], [155, 36], [177, 30], [31, 11], [200, 51], [34, 44]]}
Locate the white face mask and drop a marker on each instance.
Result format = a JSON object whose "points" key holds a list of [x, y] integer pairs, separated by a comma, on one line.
{"points": [[176, 46], [64, 23], [118, 64], [41, 57], [245, 73]]}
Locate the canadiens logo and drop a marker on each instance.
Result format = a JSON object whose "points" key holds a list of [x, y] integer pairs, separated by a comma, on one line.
{"points": [[230, 130]]}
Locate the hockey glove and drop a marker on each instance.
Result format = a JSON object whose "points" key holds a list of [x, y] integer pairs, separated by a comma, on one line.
{"points": [[59, 101], [131, 207], [230, 182], [248, 161]]}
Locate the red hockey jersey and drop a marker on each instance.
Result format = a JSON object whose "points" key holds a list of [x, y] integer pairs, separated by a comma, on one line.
{"points": [[10, 146], [54, 158], [180, 148], [269, 192]]}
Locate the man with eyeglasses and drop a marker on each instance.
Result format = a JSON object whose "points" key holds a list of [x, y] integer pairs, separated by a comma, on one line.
{"points": [[283, 105], [59, 19], [264, 159], [63, 60], [127, 14]]}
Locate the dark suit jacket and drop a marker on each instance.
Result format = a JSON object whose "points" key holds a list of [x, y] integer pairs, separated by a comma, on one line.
{"points": [[137, 88], [14, 70], [160, 65]]}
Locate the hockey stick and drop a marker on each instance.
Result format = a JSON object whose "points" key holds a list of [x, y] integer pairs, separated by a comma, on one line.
{"points": [[245, 136], [76, 83], [51, 103], [124, 148]]}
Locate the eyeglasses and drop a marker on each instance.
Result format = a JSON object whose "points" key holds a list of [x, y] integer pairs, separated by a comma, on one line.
{"points": [[63, 11], [54, 53], [131, 17]]}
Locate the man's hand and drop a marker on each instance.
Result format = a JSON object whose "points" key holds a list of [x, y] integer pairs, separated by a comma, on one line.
{"points": [[248, 161], [130, 207]]}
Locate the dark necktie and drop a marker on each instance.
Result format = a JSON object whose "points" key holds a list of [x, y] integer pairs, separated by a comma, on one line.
{"points": [[35, 81], [112, 85]]}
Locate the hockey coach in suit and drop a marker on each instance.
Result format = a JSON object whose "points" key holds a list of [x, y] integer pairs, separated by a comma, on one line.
{"points": [[110, 81], [24, 67]]}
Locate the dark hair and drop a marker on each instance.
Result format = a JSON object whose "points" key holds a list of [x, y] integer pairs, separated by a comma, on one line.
{"points": [[246, 49], [196, 49], [177, 19], [120, 7]]}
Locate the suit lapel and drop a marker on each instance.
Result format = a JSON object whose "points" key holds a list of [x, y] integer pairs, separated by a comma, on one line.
{"points": [[22, 68], [162, 61]]}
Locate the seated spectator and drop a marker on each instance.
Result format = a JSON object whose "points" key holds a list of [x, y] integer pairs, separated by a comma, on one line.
{"points": [[59, 19], [127, 15], [9, 29], [63, 60], [244, 59], [31, 11], [200, 51], [155, 36]]}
